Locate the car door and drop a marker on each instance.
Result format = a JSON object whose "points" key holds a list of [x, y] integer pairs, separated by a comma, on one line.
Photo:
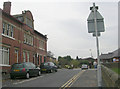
{"points": [[31, 69], [52, 66], [35, 70]]}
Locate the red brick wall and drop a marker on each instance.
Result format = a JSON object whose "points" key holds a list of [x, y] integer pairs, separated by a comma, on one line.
{"points": [[19, 42]]}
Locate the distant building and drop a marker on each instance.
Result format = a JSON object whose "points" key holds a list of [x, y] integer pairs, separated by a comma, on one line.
{"points": [[109, 57], [20, 41], [88, 59]]}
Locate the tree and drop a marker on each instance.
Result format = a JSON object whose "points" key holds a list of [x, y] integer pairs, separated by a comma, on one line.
{"points": [[75, 63], [59, 57], [50, 54], [64, 60], [68, 58], [77, 58]]}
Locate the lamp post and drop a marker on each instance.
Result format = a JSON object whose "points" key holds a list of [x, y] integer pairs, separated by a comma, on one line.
{"points": [[91, 52]]}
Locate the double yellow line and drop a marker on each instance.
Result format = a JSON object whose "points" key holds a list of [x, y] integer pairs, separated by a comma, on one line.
{"points": [[71, 81]]}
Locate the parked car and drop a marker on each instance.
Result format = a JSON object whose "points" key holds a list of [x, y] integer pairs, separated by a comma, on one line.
{"points": [[25, 69], [68, 67], [84, 66], [48, 67]]}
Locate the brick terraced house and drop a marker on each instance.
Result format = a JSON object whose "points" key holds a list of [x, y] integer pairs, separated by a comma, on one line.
{"points": [[20, 41]]}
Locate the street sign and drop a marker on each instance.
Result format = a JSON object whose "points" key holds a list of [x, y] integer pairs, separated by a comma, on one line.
{"points": [[91, 22], [95, 26]]}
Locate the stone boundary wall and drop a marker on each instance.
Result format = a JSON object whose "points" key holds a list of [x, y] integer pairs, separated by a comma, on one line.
{"points": [[112, 65], [110, 78]]}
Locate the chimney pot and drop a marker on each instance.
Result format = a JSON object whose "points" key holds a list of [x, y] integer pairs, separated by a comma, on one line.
{"points": [[7, 7]]}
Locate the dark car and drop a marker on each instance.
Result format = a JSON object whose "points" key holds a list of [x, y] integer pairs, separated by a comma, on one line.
{"points": [[48, 67], [25, 69]]}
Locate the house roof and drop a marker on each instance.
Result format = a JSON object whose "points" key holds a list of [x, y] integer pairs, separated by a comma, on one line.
{"points": [[106, 56], [116, 53], [113, 54], [11, 17]]}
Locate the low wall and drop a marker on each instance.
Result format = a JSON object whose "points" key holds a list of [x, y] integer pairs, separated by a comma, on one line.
{"points": [[110, 78], [112, 65]]}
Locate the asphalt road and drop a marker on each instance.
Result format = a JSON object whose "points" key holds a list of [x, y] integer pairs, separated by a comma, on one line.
{"points": [[62, 78]]}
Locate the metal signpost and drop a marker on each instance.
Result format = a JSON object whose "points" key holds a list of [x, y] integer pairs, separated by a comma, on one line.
{"points": [[95, 26]]}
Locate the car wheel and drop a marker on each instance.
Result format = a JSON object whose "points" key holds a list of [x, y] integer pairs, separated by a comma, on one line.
{"points": [[39, 73], [55, 70], [51, 71], [27, 75]]}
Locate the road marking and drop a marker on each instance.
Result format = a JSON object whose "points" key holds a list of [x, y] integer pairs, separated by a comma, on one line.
{"points": [[70, 82], [26, 80]]}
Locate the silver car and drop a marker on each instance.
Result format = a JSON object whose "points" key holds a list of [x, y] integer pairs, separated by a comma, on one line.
{"points": [[84, 66]]}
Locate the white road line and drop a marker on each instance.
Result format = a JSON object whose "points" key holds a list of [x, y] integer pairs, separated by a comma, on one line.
{"points": [[26, 80]]}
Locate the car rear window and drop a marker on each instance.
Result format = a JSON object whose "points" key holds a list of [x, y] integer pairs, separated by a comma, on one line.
{"points": [[45, 64], [17, 66]]}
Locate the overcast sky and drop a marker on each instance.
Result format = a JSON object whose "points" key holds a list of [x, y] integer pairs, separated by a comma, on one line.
{"points": [[65, 24]]}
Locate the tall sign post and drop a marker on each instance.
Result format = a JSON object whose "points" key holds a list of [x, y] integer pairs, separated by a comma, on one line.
{"points": [[95, 26]]}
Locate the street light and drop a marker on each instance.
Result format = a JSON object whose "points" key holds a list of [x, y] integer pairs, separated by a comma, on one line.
{"points": [[91, 52]]}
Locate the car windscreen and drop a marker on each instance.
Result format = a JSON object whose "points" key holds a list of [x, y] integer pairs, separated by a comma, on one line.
{"points": [[15, 66], [46, 64]]}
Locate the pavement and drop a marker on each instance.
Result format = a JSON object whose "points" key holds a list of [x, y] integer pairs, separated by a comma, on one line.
{"points": [[87, 79], [5, 76]]}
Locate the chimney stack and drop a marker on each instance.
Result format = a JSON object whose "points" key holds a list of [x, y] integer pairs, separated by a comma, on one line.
{"points": [[7, 7]]}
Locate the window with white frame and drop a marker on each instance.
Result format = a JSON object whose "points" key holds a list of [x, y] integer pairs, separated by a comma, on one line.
{"points": [[28, 39], [5, 55], [41, 44], [11, 31], [8, 29], [31, 40], [29, 22], [4, 28], [25, 38], [28, 57]]}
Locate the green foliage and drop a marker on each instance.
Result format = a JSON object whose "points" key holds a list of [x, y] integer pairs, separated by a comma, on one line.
{"points": [[84, 62], [75, 63], [77, 58], [64, 60], [117, 70], [68, 58]]}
